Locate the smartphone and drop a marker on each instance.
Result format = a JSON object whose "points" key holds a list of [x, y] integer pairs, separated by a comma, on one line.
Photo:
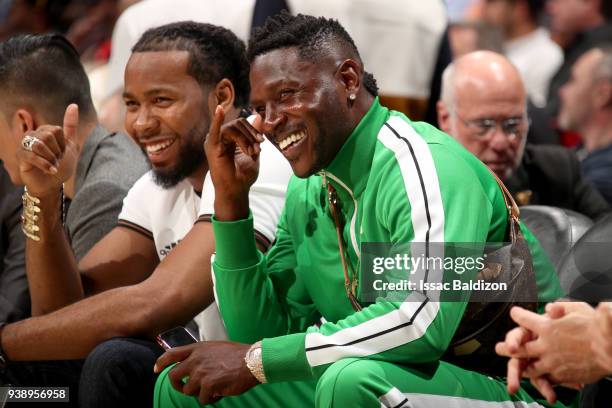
{"points": [[179, 336]]}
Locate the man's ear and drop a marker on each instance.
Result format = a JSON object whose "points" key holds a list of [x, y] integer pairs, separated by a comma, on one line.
{"points": [[349, 74], [23, 122], [444, 117], [222, 94]]}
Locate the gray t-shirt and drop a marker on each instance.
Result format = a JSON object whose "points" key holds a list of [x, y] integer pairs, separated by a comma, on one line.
{"points": [[110, 163]]}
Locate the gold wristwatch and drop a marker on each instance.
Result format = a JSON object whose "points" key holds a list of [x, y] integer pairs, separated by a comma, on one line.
{"points": [[254, 362]]}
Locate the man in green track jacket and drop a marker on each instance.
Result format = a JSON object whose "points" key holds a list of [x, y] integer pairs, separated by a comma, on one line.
{"points": [[364, 174]]}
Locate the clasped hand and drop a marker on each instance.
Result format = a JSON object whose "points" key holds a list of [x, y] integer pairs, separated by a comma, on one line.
{"points": [[565, 346]]}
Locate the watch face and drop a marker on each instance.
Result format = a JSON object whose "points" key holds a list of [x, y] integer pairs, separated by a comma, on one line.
{"points": [[256, 353]]}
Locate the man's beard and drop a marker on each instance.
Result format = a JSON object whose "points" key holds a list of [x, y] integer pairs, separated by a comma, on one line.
{"points": [[191, 156], [324, 150]]}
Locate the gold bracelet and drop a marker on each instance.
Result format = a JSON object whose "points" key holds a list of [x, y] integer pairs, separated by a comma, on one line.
{"points": [[29, 216]]}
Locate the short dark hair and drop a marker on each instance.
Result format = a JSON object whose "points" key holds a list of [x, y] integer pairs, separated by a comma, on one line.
{"points": [[313, 36], [214, 53], [45, 72]]}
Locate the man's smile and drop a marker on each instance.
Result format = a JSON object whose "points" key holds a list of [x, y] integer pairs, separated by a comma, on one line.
{"points": [[291, 145], [160, 150], [292, 139]]}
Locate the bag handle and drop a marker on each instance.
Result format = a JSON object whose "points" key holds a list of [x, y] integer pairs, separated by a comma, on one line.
{"points": [[513, 210]]}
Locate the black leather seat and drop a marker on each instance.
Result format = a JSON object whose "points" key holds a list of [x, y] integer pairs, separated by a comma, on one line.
{"points": [[557, 229], [586, 271]]}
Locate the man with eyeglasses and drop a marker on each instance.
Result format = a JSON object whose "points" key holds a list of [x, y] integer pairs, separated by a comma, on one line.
{"points": [[483, 106]]}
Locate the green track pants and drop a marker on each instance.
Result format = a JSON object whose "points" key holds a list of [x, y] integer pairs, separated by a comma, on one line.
{"points": [[356, 382]]}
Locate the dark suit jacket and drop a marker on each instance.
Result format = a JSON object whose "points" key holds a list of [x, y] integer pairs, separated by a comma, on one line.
{"points": [[14, 295], [553, 176], [597, 169]]}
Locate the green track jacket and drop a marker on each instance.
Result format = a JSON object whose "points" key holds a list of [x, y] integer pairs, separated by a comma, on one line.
{"points": [[398, 182]]}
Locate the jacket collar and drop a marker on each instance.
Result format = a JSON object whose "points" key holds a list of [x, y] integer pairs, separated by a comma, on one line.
{"points": [[351, 166]]}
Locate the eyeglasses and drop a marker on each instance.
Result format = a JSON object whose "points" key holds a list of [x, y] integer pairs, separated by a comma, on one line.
{"points": [[483, 129]]}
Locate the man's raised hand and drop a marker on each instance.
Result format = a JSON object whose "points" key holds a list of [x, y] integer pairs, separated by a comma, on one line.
{"points": [[232, 151], [52, 157]]}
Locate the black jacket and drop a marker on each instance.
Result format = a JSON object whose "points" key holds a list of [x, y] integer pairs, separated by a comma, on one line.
{"points": [[597, 169], [552, 175]]}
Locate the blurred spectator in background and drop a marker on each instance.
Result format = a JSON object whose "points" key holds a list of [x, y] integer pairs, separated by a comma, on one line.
{"points": [[86, 23], [483, 106], [400, 43], [527, 45], [152, 13], [586, 107], [92, 23], [33, 17], [470, 36], [14, 296], [583, 24]]}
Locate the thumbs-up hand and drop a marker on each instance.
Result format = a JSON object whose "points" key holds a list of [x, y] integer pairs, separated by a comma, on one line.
{"points": [[48, 156]]}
